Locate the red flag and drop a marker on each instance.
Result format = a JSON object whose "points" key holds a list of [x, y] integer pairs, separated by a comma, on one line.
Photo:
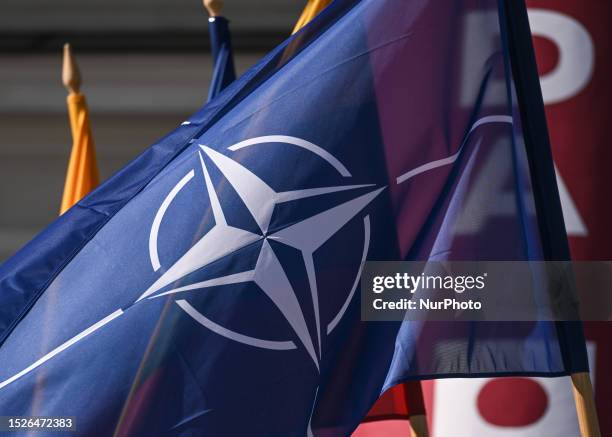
{"points": [[391, 414]]}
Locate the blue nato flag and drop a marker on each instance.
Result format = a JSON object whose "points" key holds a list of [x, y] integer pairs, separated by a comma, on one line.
{"points": [[224, 72], [211, 287]]}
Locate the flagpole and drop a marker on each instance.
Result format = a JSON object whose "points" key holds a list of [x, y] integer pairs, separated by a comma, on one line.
{"points": [[71, 76], [585, 404], [417, 415], [555, 245], [418, 426], [213, 7]]}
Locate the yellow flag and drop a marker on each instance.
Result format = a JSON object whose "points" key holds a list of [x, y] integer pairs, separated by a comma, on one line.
{"points": [[313, 7], [82, 174]]}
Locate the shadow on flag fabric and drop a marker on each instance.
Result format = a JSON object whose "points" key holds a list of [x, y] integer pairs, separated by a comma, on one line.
{"points": [[82, 176], [224, 72], [216, 276]]}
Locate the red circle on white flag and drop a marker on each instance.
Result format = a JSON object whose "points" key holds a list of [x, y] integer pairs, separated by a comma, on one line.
{"points": [[512, 402]]}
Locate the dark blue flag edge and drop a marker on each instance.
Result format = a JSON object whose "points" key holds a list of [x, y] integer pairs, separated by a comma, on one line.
{"points": [[516, 33]]}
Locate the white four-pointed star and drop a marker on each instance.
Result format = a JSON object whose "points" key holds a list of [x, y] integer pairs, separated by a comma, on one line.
{"points": [[222, 240]]}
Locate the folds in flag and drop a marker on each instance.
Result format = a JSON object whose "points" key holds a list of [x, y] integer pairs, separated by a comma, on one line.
{"points": [[216, 275]]}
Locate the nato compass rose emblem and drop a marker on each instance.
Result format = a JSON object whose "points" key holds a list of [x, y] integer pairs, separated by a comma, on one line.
{"points": [[223, 240]]}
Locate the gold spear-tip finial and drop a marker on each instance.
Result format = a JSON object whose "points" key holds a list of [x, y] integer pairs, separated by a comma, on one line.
{"points": [[213, 7], [71, 77]]}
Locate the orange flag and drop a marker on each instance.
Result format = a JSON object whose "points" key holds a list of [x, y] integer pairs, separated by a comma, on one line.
{"points": [[312, 8], [82, 175]]}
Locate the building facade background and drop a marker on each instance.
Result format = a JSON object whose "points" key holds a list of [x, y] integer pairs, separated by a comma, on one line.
{"points": [[146, 67]]}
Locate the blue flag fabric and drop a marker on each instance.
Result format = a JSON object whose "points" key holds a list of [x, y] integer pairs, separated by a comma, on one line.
{"points": [[211, 286], [224, 71]]}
